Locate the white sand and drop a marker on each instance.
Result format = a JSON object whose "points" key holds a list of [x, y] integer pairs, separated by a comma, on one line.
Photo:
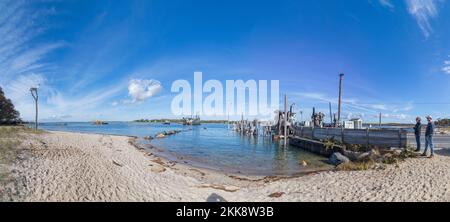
{"points": [[86, 167]]}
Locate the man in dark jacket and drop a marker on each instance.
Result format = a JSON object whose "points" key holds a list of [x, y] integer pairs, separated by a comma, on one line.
{"points": [[429, 137], [417, 131]]}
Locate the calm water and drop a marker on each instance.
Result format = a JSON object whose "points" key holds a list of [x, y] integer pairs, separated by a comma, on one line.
{"points": [[212, 146]]}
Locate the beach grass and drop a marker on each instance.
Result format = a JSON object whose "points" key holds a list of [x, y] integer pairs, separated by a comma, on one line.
{"points": [[10, 139]]}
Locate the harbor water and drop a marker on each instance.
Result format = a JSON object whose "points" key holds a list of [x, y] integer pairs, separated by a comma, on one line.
{"points": [[212, 146]]}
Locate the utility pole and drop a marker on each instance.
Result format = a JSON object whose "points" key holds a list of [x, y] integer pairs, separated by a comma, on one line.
{"points": [[341, 76], [35, 95], [285, 119], [331, 115]]}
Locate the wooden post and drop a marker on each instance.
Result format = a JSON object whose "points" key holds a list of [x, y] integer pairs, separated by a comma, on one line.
{"points": [[301, 131], [379, 124], [35, 95], [341, 76], [279, 123], [285, 119], [367, 137]]}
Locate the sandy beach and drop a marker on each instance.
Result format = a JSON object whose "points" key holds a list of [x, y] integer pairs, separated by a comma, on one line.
{"points": [[61, 166]]}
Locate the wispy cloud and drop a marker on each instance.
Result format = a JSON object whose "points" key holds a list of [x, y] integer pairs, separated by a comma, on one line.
{"points": [[67, 103], [19, 89], [423, 11], [23, 56], [379, 107], [31, 60], [386, 3], [19, 28], [355, 108], [446, 67], [392, 116]]}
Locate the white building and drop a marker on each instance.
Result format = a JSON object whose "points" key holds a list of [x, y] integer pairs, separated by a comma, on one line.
{"points": [[349, 125], [357, 123]]}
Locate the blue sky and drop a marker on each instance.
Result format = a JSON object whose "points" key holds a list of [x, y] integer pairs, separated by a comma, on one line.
{"points": [[86, 55]]}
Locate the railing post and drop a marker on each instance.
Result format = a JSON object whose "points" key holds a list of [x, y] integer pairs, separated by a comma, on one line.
{"points": [[367, 138]]}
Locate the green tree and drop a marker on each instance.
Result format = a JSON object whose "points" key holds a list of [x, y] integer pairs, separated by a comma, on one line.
{"points": [[8, 114]]}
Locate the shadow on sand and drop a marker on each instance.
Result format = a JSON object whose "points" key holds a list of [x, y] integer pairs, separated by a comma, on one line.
{"points": [[215, 198], [443, 151]]}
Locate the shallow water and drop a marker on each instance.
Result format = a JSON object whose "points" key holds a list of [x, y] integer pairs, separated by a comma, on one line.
{"points": [[211, 146]]}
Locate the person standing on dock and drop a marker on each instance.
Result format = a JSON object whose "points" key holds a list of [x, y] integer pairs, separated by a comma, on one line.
{"points": [[417, 131], [429, 137]]}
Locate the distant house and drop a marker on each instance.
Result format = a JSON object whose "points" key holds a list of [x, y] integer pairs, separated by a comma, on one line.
{"points": [[357, 123], [349, 125]]}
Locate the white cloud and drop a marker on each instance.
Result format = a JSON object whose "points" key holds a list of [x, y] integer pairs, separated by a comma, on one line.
{"points": [[379, 106], [141, 89], [386, 3], [446, 67], [423, 11]]}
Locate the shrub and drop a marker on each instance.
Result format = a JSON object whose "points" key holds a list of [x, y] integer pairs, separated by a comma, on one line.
{"points": [[8, 114]]}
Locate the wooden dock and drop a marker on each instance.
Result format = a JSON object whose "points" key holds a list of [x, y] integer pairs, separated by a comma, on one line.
{"points": [[365, 137], [314, 146]]}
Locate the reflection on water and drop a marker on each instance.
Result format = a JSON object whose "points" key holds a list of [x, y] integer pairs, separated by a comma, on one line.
{"points": [[212, 146]]}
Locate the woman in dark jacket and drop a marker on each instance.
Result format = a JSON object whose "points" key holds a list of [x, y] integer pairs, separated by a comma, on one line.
{"points": [[417, 131]]}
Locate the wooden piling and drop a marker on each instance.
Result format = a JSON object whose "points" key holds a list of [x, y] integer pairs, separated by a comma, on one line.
{"points": [[341, 76]]}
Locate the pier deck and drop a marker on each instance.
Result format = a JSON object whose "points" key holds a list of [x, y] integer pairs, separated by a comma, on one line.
{"points": [[375, 137]]}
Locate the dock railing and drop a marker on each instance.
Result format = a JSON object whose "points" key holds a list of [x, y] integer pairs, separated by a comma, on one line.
{"points": [[366, 137]]}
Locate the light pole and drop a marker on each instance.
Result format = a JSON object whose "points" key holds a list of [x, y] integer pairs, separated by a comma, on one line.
{"points": [[35, 95]]}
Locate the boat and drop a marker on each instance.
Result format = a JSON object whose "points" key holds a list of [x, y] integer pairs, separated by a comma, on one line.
{"points": [[191, 121], [99, 122], [167, 122]]}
